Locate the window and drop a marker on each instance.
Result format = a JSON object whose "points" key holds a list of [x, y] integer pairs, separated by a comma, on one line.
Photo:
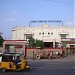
{"points": [[39, 33], [63, 36], [48, 33], [5, 58], [51, 33], [43, 33], [28, 35]]}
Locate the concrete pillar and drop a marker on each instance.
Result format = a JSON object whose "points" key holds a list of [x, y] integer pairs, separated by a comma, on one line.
{"points": [[24, 49], [54, 44], [69, 50], [65, 51], [3, 48]]}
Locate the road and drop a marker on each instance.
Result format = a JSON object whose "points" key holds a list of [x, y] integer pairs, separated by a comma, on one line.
{"points": [[48, 67]]}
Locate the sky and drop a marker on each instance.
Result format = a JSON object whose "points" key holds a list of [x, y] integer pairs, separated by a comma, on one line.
{"points": [[21, 12]]}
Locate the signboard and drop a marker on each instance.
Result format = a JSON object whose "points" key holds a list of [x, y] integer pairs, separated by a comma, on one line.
{"points": [[68, 39], [45, 21], [15, 41], [37, 21], [65, 39]]}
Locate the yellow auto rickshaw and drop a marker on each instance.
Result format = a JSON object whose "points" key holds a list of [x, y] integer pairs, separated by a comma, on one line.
{"points": [[13, 61]]}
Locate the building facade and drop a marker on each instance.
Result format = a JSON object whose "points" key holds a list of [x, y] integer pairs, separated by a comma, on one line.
{"points": [[51, 35]]}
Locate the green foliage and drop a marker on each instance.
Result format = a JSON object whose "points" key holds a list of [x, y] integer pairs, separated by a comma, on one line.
{"points": [[35, 43], [39, 43], [1, 40], [31, 42]]}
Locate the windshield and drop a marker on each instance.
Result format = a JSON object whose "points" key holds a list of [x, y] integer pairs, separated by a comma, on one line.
{"points": [[6, 57]]}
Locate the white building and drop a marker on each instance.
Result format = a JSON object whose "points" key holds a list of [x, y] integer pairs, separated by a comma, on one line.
{"points": [[51, 35]]}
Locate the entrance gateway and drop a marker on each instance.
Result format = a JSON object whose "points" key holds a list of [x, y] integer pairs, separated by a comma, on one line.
{"points": [[18, 46], [69, 45]]}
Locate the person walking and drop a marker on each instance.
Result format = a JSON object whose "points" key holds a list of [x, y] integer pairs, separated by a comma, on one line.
{"points": [[33, 55], [51, 53]]}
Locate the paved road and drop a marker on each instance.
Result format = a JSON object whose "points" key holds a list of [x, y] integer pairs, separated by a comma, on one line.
{"points": [[48, 67], [53, 67]]}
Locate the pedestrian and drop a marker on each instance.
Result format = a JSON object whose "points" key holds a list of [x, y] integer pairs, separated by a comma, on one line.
{"points": [[56, 54], [51, 53], [48, 55], [33, 55], [63, 54]]}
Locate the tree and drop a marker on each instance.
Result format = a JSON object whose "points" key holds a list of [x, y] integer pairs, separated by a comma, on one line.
{"points": [[39, 43], [31, 42], [35, 43], [1, 39]]}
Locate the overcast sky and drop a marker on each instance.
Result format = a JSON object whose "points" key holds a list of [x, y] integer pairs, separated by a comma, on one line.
{"points": [[20, 12]]}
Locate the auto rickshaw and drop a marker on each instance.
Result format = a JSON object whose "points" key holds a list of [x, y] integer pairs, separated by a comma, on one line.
{"points": [[13, 61]]}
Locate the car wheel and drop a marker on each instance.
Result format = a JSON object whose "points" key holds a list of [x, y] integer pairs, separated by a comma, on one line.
{"points": [[37, 57], [27, 68], [3, 69]]}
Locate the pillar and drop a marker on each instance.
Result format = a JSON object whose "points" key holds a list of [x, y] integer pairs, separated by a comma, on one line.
{"points": [[3, 48], [54, 44], [24, 50]]}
